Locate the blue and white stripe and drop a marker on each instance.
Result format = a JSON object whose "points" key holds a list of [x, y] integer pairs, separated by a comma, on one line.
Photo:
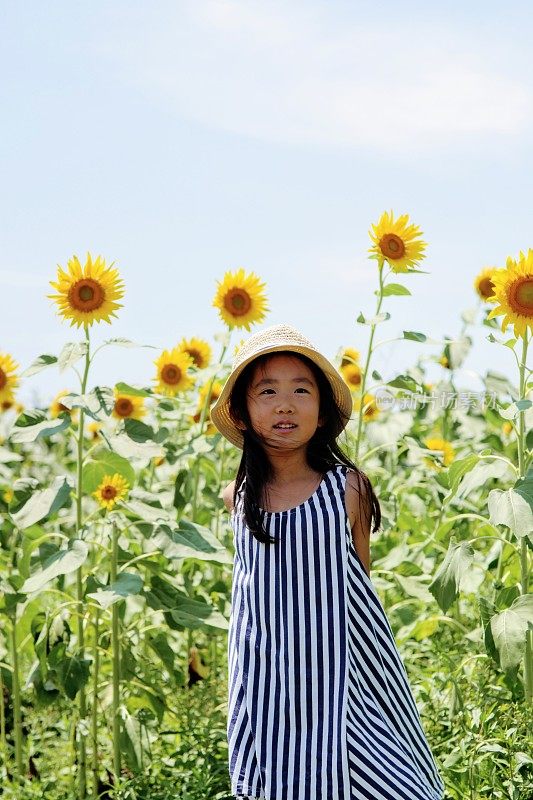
{"points": [[319, 703]]}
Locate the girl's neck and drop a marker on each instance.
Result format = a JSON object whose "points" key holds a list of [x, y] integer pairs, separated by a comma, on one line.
{"points": [[290, 467]]}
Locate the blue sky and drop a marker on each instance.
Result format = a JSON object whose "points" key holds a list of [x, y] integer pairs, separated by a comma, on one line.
{"points": [[185, 139]]}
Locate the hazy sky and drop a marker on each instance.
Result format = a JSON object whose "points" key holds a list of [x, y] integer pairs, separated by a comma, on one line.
{"points": [[185, 139]]}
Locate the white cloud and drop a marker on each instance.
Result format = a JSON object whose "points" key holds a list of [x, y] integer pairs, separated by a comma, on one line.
{"points": [[285, 73]]}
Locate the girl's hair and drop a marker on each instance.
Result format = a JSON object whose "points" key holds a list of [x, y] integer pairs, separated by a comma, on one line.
{"points": [[323, 452]]}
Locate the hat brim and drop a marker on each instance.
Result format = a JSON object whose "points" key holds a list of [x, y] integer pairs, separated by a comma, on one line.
{"points": [[220, 415]]}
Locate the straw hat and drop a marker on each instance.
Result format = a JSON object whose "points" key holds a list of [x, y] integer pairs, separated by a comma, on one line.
{"points": [[274, 339]]}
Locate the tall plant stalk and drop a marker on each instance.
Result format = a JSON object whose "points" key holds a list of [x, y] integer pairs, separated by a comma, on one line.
{"points": [[17, 717], [115, 646], [94, 709], [524, 577], [367, 363], [82, 701]]}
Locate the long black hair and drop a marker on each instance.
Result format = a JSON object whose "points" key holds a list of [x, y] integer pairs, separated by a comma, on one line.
{"points": [[322, 454]]}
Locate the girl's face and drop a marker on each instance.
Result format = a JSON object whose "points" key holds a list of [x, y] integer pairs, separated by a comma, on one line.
{"points": [[283, 401]]}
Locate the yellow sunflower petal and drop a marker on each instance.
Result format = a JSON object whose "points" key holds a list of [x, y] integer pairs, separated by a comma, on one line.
{"points": [[112, 489], [240, 299], [87, 294], [513, 290], [128, 406], [483, 283], [172, 375], [198, 349], [397, 242], [8, 377]]}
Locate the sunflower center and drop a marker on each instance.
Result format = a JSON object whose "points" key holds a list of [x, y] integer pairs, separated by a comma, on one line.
{"points": [[124, 407], [392, 246], [521, 296], [109, 492], [486, 287], [355, 378], [6, 405], [3, 378], [237, 302], [64, 408], [196, 356], [171, 373], [86, 295]]}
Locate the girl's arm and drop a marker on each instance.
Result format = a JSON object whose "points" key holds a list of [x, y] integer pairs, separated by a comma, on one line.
{"points": [[358, 508], [227, 496]]}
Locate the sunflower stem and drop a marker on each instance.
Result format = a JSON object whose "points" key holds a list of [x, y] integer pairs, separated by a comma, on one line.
{"points": [[524, 567], [203, 416], [367, 364], [115, 642], [82, 702]]}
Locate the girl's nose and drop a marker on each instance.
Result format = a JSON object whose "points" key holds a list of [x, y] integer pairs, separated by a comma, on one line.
{"points": [[284, 405]]}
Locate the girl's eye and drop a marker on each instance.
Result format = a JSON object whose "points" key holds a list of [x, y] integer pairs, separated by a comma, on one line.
{"points": [[300, 389]]}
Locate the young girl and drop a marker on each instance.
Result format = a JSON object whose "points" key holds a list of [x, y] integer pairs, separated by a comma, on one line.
{"points": [[319, 704]]}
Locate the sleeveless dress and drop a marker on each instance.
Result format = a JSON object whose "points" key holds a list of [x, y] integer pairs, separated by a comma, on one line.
{"points": [[319, 704]]}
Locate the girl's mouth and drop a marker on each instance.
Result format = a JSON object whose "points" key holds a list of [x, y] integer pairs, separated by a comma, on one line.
{"points": [[285, 426]]}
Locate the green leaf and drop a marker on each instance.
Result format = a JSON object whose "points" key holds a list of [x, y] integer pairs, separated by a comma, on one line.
{"points": [[404, 382], [60, 563], [414, 587], [127, 583], [104, 462], [415, 336], [394, 289], [373, 320], [40, 363], [160, 646], [182, 611], [70, 354], [139, 431], [509, 631], [42, 503], [458, 470], [127, 448], [127, 389], [33, 425], [190, 540], [445, 585], [511, 508], [524, 487]]}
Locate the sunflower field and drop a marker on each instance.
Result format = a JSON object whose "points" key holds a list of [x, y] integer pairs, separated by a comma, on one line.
{"points": [[116, 548]]}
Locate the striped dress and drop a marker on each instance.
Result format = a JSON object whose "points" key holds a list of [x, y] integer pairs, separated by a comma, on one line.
{"points": [[319, 704]]}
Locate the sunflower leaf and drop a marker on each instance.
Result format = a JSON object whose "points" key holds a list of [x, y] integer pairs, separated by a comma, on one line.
{"points": [[404, 382], [40, 363], [415, 336], [41, 503], [393, 289], [127, 389], [127, 583], [70, 354], [126, 343], [509, 630], [511, 508], [32, 425], [60, 563], [373, 320]]}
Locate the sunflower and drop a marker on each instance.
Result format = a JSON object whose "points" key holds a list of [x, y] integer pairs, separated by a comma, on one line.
{"points": [[370, 409], [128, 406], [397, 242], [172, 376], [198, 349], [112, 489], [87, 294], [443, 361], [447, 452], [352, 375], [513, 290], [8, 377], [240, 299], [507, 428], [483, 283], [93, 429], [7, 495], [57, 407], [9, 403], [349, 356]]}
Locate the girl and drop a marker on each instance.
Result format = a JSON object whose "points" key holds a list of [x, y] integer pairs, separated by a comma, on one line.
{"points": [[319, 704]]}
